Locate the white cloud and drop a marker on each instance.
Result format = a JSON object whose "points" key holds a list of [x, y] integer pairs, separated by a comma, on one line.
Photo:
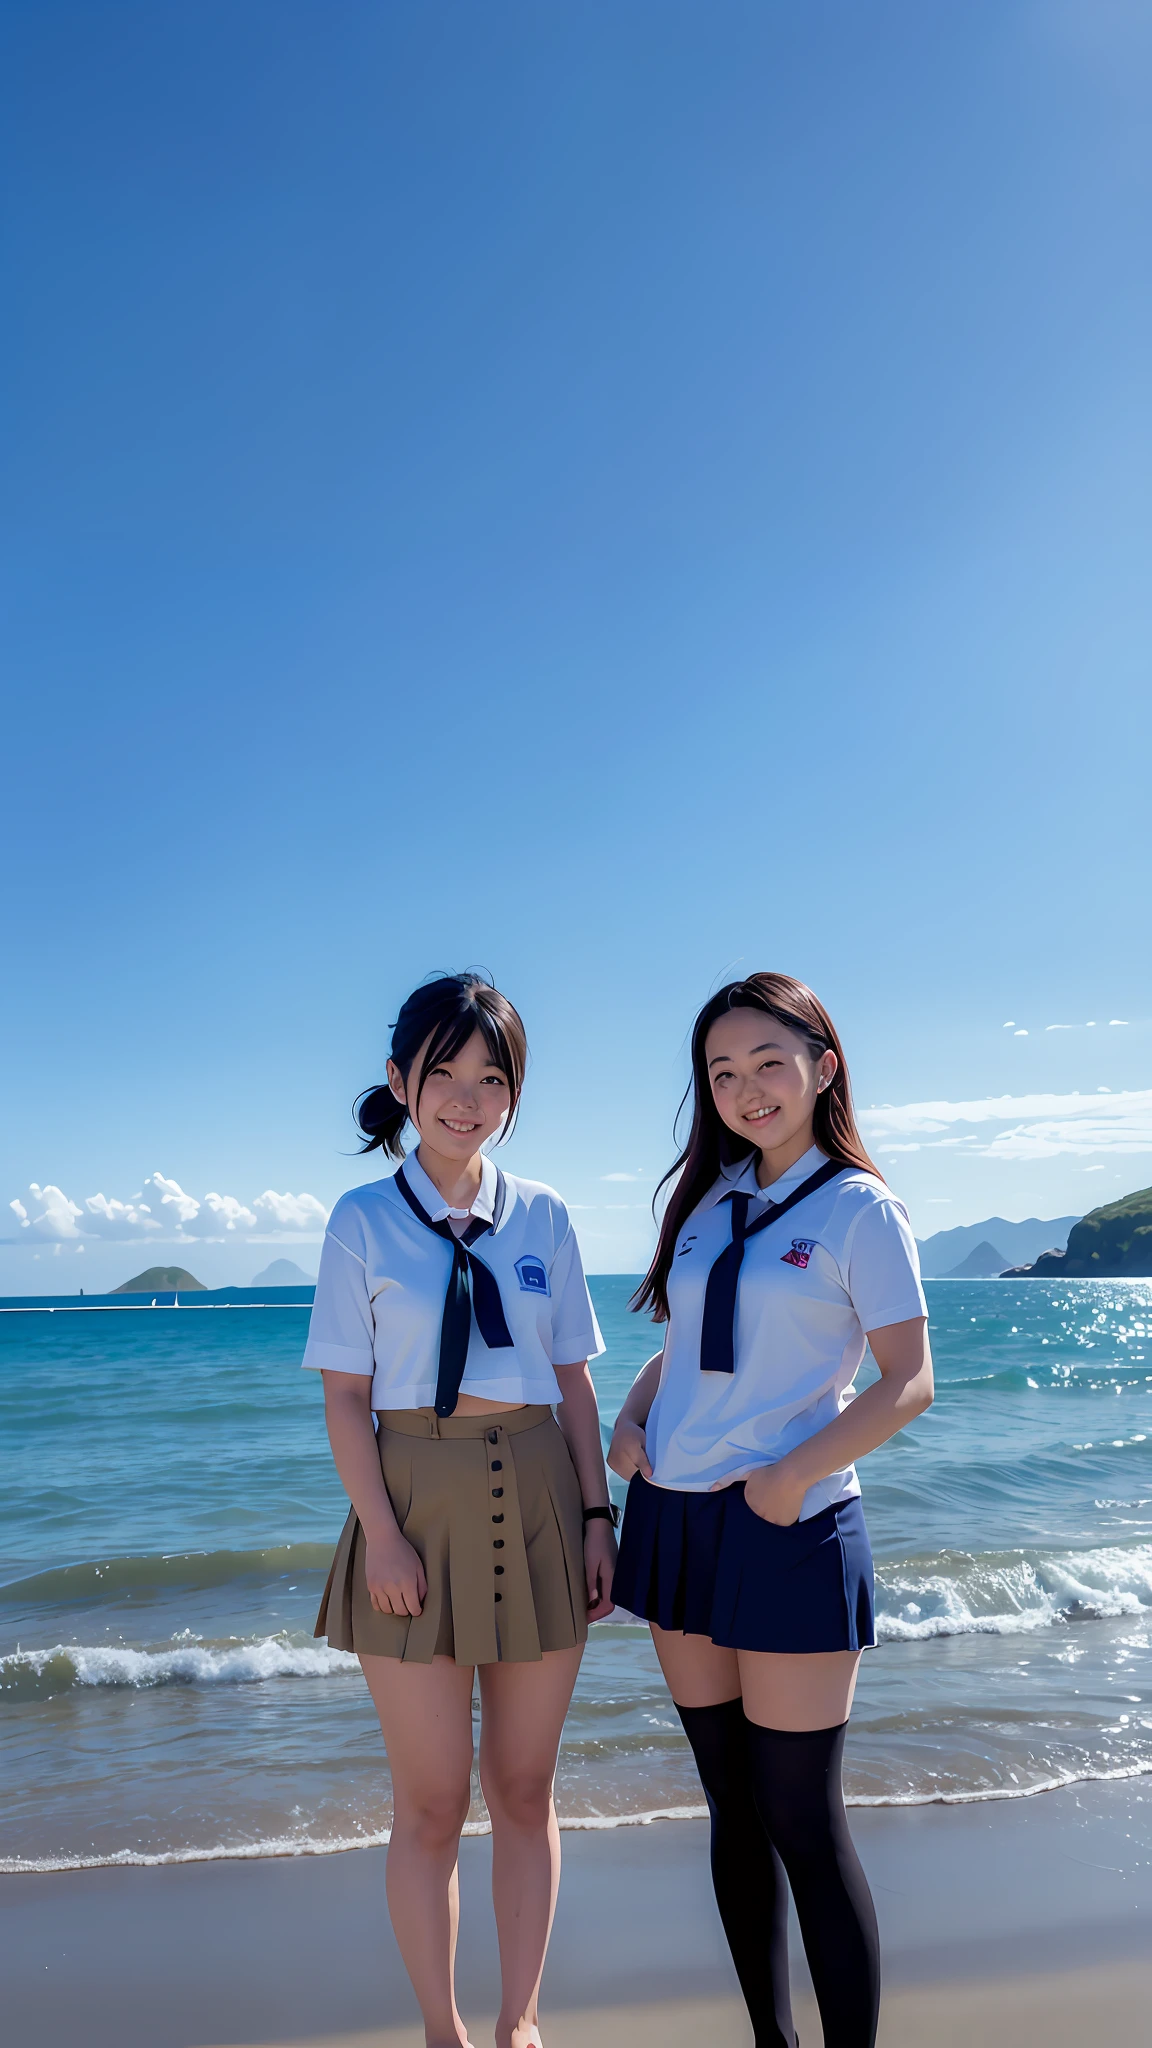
{"points": [[118, 1219], [219, 1214], [290, 1212], [1019, 1034], [215, 1217], [165, 1214], [1048, 1140], [619, 1176], [1090, 1026], [52, 1214], [1030, 1126], [181, 1208]]}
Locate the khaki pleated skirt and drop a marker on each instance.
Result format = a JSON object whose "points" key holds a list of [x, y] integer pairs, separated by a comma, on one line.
{"points": [[492, 1506]]}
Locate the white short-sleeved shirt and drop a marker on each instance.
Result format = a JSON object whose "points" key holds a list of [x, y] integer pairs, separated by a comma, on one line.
{"points": [[842, 1262], [383, 1277]]}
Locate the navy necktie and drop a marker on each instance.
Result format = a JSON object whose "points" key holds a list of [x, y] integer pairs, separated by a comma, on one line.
{"points": [[718, 1329], [471, 1285]]}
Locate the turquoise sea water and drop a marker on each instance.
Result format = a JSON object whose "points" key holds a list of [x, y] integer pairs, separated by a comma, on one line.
{"points": [[169, 1510]]}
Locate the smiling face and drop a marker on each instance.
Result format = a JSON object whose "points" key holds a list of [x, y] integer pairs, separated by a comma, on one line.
{"points": [[463, 1101], [765, 1082]]}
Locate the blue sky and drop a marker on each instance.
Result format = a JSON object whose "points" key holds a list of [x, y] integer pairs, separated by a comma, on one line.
{"points": [[621, 494]]}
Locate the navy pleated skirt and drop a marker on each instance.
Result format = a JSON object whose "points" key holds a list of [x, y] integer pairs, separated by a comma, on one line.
{"points": [[707, 1564]]}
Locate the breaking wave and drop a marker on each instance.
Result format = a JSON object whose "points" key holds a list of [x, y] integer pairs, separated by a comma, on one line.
{"points": [[957, 1594], [41, 1674]]}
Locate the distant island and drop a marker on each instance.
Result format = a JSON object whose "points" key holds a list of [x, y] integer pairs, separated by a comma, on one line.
{"points": [[1110, 1243], [163, 1280], [984, 1262], [946, 1254], [284, 1273]]}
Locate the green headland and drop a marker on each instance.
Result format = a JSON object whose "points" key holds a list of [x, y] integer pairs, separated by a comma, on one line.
{"points": [[1113, 1242], [163, 1280]]}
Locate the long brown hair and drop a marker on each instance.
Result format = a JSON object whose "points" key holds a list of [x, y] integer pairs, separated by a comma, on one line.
{"points": [[711, 1145]]}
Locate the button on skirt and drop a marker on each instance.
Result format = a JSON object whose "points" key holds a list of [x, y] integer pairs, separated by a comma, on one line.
{"points": [[492, 1506]]}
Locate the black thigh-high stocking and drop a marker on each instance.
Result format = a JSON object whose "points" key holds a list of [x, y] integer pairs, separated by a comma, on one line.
{"points": [[796, 1780], [748, 1880]]}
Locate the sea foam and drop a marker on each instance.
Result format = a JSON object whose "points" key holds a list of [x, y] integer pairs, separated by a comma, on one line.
{"points": [[1016, 1594], [38, 1674], [336, 1845]]}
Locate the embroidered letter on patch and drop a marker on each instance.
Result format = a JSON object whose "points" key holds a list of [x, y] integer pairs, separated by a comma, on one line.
{"points": [[532, 1275], [801, 1252]]}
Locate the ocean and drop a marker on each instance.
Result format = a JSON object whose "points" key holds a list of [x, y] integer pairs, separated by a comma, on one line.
{"points": [[170, 1507]]}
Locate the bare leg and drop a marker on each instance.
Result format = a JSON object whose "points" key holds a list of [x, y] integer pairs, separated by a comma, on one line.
{"points": [[426, 1717], [523, 1708], [798, 1693], [696, 1672]]}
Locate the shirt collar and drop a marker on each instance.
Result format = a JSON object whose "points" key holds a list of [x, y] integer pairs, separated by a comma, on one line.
{"points": [[429, 1197], [741, 1178]]}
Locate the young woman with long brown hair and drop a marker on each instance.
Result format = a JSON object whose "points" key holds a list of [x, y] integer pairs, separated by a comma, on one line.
{"points": [[451, 1318], [781, 1255]]}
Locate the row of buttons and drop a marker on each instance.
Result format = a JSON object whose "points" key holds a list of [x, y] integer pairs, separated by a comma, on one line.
{"points": [[497, 1494]]}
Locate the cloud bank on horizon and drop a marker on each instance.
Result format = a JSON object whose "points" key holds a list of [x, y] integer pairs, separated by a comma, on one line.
{"points": [[164, 1214], [1004, 1127], [1018, 1127]]}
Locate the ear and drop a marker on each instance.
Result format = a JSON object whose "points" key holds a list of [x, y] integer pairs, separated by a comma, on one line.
{"points": [[396, 1084], [826, 1072]]}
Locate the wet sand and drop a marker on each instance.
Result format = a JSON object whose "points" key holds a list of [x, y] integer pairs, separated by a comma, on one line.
{"points": [[1018, 1922]]}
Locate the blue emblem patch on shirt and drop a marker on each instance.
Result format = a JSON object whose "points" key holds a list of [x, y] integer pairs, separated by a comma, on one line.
{"points": [[533, 1276]]}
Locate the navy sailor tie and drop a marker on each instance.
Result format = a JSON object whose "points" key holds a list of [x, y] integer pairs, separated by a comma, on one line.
{"points": [[718, 1329], [471, 1285]]}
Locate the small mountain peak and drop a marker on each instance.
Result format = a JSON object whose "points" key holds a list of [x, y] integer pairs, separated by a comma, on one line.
{"points": [[163, 1280], [284, 1273]]}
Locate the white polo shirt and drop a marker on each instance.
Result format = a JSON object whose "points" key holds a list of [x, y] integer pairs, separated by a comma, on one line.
{"points": [[840, 1263], [383, 1277]]}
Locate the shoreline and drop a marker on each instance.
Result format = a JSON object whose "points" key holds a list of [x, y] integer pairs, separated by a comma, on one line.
{"points": [[1014, 1919], [278, 1851]]}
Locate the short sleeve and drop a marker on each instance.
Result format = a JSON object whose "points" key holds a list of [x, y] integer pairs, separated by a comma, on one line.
{"points": [[341, 1329], [575, 1331], [883, 1277]]}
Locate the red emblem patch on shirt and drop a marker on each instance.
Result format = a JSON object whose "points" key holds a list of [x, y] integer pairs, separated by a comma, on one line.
{"points": [[801, 1252]]}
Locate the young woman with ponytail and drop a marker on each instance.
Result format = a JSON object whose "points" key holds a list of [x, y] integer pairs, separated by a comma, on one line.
{"points": [[451, 1318], [781, 1254]]}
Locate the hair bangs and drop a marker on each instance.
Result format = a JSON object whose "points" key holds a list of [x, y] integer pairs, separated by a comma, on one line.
{"points": [[442, 1015], [452, 1033]]}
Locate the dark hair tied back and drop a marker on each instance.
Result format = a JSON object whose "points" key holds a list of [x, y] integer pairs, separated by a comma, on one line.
{"points": [[442, 1015], [380, 1119]]}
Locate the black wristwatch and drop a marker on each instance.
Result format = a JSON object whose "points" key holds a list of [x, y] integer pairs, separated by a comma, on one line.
{"points": [[610, 1513]]}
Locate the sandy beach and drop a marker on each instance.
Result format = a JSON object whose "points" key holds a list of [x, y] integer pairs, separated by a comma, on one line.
{"points": [[1012, 1922]]}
